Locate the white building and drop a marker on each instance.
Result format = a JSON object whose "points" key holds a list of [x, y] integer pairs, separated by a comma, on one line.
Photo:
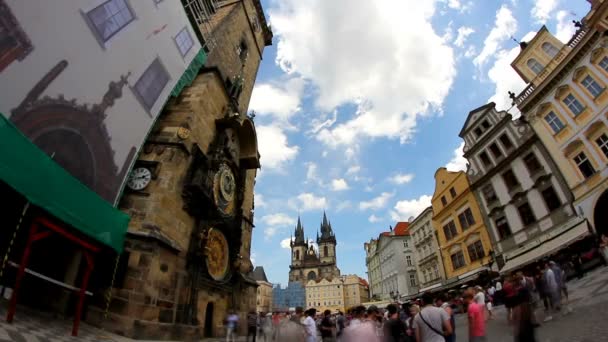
{"points": [[429, 263], [395, 271], [95, 74], [372, 261], [526, 202]]}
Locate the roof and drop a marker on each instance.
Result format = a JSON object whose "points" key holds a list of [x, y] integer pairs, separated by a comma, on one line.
{"points": [[402, 228], [258, 274], [363, 282], [32, 173], [478, 109]]}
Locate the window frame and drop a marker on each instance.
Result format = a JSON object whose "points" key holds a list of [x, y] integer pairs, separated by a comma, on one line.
{"points": [[506, 141], [175, 39], [444, 201], [136, 91], [582, 160], [496, 151], [533, 165], [589, 82], [604, 61], [476, 251], [485, 192], [451, 228], [602, 143], [571, 100], [548, 194], [96, 29], [552, 51], [555, 119], [500, 223], [466, 219], [525, 219], [489, 161], [458, 256], [532, 63], [514, 178], [453, 192]]}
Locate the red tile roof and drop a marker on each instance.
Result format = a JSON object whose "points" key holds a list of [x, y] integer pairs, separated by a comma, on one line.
{"points": [[402, 228], [363, 282]]}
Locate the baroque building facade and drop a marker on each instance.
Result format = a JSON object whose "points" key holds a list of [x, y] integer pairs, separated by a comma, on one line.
{"points": [[308, 264], [190, 197], [463, 238], [522, 194], [564, 103], [429, 263]]}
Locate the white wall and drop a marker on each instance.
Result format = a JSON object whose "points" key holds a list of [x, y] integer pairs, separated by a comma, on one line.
{"points": [[59, 31]]}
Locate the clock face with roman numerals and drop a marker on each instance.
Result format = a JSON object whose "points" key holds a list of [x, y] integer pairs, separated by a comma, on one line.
{"points": [[139, 178]]}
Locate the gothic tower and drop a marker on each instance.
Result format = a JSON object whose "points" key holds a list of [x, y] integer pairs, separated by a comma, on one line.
{"points": [[327, 242], [298, 246]]}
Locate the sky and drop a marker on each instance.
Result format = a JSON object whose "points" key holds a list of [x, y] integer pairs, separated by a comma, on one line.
{"points": [[359, 102]]}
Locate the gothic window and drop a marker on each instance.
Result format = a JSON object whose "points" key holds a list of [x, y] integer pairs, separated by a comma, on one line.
{"points": [[14, 44], [535, 66], [297, 255], [549, 49]]}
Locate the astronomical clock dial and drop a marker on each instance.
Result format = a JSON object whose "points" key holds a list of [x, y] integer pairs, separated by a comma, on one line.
{"points": [[224, 189], [139, 178], [217, 257]]}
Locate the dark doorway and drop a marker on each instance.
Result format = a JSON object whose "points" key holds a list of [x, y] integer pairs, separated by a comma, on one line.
{"points": [[209, 320], [600, 214]]}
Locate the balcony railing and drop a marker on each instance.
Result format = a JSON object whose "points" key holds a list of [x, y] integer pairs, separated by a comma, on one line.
{"points": [[200, 12], [574, 41]]}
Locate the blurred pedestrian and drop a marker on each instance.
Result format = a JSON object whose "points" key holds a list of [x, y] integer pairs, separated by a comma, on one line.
{"points": [[553, 290], [443, 302], [475, 314], [327, 327], [431, 324], [394, 328], [252, 325], [340, 324], [523, 316], [361, 329], [231, 326], [310, 326]]}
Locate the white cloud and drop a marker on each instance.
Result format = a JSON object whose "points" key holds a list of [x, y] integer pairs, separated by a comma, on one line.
{"points": [[259, 200], [458, 162], [401, 178], [323, 122], [270, 232], [397, 39], [378, 202], [353, 170], [344, 205], [311, 171], [408, 208], [307, 201], [505, 79], [274, 148], [542, 10], [278, 100], [374, 219], [278, 219], [459, 5], [471, 51], [504, 27], [565, 28], [463, 33], [285, 243], [339, 184]]}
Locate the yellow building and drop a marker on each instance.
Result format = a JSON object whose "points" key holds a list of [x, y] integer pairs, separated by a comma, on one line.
{"points": [[356, 290], [264, 290], [463, 239], [565, 103], [325, 294]]}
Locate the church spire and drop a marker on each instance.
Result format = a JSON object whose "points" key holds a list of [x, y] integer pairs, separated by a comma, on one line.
{"points": [[299, 233]]}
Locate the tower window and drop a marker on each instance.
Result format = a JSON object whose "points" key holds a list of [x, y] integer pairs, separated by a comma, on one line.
{"points": [[573, 104], [325, 251], [584, 165], [550, 49], [556, 124], [535, 66]]}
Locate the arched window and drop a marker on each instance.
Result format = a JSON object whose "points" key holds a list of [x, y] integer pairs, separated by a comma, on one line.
{"points": [[535, 66], [550, 49], [325, 251], [298, 255]]}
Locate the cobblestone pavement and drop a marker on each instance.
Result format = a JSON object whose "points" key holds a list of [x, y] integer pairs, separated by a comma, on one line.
{"points": [[586, 322]]}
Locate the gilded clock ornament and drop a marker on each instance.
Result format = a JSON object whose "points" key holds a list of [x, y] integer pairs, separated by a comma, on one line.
{"points": [[224, 189], [183, 133], [216, 255], [139, 179]]}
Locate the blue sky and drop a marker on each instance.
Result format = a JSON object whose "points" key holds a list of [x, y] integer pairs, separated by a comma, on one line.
{"points": [[359, 102]]}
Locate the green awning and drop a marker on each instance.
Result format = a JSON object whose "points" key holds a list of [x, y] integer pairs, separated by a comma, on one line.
{"points": [[190, 74], [32, 173]]}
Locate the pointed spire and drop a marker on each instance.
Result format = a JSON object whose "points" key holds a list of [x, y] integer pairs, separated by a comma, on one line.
{"points": [[324, 219]]}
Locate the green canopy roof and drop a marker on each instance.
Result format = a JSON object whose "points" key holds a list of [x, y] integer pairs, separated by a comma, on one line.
{"points": [[191, 72], [31, 172]]}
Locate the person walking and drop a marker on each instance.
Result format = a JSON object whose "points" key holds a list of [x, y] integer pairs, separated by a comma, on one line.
{"points": [[431, 324], [291, 329], [231, 324], [553, 290], [475, 314], [524, 321], [394, 328], [252, 325], [327, 327], [442, 301], [340, 324], [310, 326], [409, 324], [360, 329]]}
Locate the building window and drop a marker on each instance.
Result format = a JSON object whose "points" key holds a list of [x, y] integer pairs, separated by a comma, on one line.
{"points": [[556, 124], [412, 279], [584, 165], [453, 192], [489, 194], [526, 214], [478, 132], [475, 251], [485, 159], [457, 260], [549, 49], [450, 230], [604, 63], [506, 142], [502, 226], [594, 88], [184, 41], [535, 66], [408, 260], [242, 50], [444, 201], [532, 163], [495, 151], [551, 199], [573, 104], [151, 83], [110, 17], [602, 143], [485, 125], [466, 219], [510, 179]]}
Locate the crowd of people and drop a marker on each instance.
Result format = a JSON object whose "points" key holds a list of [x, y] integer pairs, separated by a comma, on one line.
{"points": [[430, 318]]}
